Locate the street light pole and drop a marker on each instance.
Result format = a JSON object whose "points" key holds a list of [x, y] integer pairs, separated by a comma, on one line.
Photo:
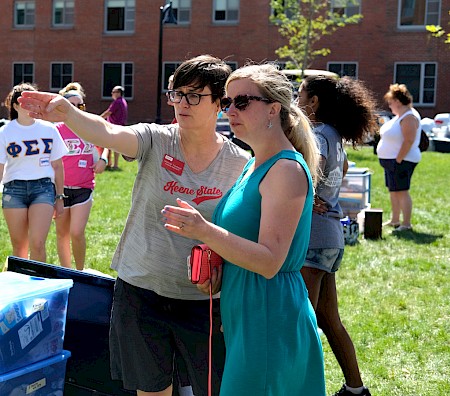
{"points": [[165, 16]]}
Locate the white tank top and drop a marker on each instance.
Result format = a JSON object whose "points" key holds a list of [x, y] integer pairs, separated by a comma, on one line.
{"points": [[392, 139]]}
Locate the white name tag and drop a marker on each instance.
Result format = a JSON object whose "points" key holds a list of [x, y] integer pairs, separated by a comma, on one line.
{"points": [[44, 161]]}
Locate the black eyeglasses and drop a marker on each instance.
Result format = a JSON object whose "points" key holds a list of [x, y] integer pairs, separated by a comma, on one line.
{"points": [[81, 106], [241, 102], [193, 99]]}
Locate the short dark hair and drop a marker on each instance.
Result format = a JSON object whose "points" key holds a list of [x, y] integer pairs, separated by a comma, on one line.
{"points": [[203, 71], [14, 94]]}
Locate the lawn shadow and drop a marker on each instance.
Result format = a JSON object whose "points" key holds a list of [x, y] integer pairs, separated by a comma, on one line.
{"points": [[420, 238]]}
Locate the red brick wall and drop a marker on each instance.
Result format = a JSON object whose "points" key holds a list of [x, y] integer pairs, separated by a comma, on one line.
{"points": [[375, 43]]}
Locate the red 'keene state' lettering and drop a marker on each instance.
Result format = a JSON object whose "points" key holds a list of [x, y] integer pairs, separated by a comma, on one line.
{"points": [[201, 194], [173, 188]]}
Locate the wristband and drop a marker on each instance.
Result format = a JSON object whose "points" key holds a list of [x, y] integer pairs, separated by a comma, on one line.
{"points": [[104, 159], [60, 196]]}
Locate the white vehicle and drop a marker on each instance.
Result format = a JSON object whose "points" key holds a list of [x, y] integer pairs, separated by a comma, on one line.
{"points": [[441, 125], [427, 125], [308, 72]]}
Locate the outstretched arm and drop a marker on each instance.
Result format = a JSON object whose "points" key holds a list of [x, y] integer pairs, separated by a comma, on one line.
{"points": [[90, 127]]}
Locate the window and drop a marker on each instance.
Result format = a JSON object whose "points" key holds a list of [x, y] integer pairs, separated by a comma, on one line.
{"points": [[226, 11], [168, 69], [63, 12], [117, 74], [420, 78], [182, 11], [120, 16], [344, 68], [288, 11], [346, 7], [23, 72], [61, 75], [233, 65], [24, 12], [419, 13]]}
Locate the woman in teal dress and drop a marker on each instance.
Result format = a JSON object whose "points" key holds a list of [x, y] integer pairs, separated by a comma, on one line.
{"points": [[261, 228]]}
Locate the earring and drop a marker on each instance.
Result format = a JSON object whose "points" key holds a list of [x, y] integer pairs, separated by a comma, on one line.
{"points": [[270, 125], [308, 110]]}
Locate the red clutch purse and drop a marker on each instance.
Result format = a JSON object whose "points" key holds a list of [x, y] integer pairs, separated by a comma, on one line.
{"points": [[201, 263]]}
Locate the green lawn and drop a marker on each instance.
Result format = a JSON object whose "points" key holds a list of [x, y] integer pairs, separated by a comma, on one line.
{"points": [[394, 292]]}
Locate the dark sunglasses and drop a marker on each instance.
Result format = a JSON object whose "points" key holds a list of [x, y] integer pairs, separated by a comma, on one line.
{"points": [[241, 102], [81, 106]]}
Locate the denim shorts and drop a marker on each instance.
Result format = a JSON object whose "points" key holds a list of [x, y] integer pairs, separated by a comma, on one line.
{"points": [[328, 260], [19, 194]]}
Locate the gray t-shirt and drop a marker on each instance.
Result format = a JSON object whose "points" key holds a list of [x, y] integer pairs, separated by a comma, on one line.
{"points": [[326, 229], [148, 255]]}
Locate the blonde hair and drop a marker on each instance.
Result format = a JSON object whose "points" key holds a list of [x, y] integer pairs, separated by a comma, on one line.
{"points": [[275, 86], [399, 92], [73, 89]]}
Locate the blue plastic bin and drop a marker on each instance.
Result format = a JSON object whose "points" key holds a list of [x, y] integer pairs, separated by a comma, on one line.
{"points": [[32, 319], [44, 378]]}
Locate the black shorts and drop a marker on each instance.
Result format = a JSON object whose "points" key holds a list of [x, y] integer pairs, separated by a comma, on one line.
{"points": [[397, 177], [150, 335], [77, 196]]}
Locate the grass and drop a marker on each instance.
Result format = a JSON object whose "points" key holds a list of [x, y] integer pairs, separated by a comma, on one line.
{"points": [[109, 212], [394, 292]]}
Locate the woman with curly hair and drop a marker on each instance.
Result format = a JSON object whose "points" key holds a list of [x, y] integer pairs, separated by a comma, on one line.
{"points": [[340, 110]]}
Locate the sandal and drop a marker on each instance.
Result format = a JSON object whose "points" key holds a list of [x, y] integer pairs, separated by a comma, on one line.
{"points": [[391, 224], [403, 228]]}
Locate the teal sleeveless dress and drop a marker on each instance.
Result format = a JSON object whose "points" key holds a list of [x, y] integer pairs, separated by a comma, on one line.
{"points": [[270, 328]]}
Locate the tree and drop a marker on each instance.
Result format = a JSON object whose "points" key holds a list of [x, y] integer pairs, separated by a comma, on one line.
{"points": [[438, 31], [304, 23]]}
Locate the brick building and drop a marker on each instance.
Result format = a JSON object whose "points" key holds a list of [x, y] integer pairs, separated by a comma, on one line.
{"points": [[102, 43]]}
